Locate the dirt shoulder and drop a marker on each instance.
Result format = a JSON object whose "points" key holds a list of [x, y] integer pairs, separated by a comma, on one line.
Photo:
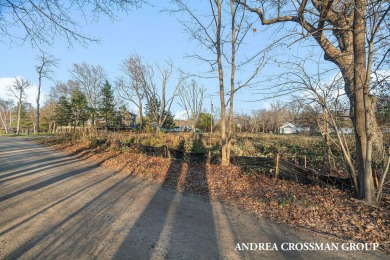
{"points": [[63, 204]]}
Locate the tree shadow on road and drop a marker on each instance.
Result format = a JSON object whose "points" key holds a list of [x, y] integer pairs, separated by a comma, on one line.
{"points": [[172, 222], [108, 215], [79, 233], [49, 181]]}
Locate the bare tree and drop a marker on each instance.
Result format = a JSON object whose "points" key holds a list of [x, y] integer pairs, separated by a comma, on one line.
{"points": [[242, 122], [62, 89], [6, 107], [191, 100], [261, 119], [48, 115], [44, 70], [18, 89], [90, 80], [208, 29], [279, 115], [41, 22], [329, 96], [351, 34], [159, 105], [132, 87]]}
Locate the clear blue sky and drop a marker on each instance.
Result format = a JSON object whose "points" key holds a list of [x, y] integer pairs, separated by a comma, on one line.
{"points": [[152, 34]]}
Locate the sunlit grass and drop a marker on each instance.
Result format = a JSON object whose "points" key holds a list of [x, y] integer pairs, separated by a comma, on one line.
{"points": [[29, 135]]}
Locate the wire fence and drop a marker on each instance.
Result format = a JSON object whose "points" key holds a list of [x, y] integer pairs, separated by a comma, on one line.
{"points": [[275, 167]]}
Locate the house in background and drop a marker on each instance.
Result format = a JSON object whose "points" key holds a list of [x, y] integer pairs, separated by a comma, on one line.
{"points": [[128, 119], [289, 128]]}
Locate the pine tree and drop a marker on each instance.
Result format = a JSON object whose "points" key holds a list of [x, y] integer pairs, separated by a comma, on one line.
{"points": [[79, 105], [204, 122], [152, 111], [168, 123], [107, 104], [63, 112]]}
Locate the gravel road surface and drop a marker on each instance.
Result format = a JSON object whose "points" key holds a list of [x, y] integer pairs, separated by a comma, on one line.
{"points": [[54, 206]]}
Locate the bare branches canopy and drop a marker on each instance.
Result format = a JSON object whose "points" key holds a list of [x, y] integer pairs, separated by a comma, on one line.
{"points": [[40, 22]]}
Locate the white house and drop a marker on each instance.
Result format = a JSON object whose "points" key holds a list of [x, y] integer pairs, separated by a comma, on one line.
{"points": [[289, 128]]}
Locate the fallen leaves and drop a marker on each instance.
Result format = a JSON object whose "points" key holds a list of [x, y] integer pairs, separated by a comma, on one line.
{"points": [[326, 210]]}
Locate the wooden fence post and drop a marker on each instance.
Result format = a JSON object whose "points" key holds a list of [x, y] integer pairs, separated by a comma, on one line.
{"points": [[277, 158], [305, 160], [168, 152]]}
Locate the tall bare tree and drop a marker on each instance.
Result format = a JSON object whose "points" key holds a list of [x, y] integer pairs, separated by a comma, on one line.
{"points": [[191, 100], [44, 70], [159, 105], [90, 80], [132, 87], [18, 89], [351, 34], [208, 29]]}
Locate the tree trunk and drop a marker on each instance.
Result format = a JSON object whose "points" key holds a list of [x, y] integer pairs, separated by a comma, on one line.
{"points": [[327, 139], [158, 128], [232, 86], [360, 117], [36, 131], [225, 161], [140, 116], [19, 113]]}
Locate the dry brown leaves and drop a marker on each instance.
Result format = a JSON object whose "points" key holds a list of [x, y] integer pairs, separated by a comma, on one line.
{"points": [[325, 210]]}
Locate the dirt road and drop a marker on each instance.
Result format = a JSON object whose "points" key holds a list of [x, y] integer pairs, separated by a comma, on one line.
{"points": [[54, 206]]}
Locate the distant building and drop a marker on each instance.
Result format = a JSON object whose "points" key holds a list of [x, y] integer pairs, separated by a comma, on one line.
{"points": [[342, 130], [128, 119], [346, 130], [289, 128], [180, 128]]}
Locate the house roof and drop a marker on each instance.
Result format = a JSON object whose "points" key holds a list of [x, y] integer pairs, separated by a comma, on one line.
{"points": [[288, 125]]}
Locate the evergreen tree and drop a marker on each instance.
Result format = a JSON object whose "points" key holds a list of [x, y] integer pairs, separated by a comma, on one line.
{"points": [[150, 108], [107, 104], [63, 112], [204, 122], [153, 110], [168, 123], [79, 105]]}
